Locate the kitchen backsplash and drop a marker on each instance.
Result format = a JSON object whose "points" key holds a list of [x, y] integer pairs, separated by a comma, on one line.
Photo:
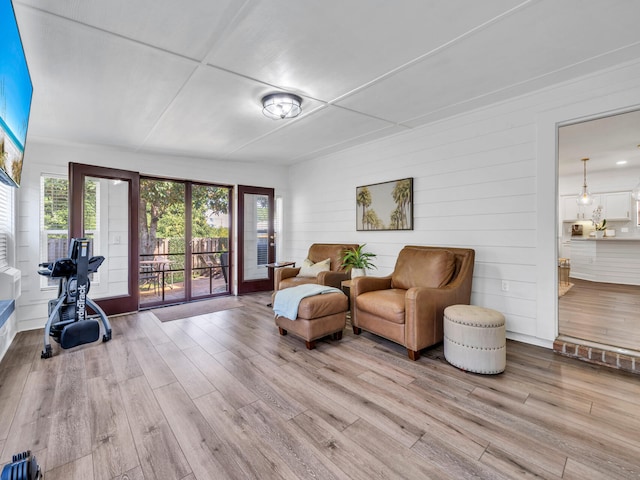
{"points": [[633, 231]]}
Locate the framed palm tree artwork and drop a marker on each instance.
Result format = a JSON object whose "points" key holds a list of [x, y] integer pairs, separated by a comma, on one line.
{"points": [[385, 206]]}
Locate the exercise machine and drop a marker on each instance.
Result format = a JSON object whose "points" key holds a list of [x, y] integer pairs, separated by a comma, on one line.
{"points": [[23, 466], [68, 323]]}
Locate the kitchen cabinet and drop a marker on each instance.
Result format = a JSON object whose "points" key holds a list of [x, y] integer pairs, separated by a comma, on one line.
{"points": [[572, 212], [617, 206], [569, 209]]}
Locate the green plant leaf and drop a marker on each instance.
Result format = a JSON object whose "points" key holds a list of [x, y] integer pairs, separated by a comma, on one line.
{"points": [[357, 258]]}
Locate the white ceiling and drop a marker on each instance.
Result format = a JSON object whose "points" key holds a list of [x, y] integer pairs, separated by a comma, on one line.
{"points": [[186, 78]]}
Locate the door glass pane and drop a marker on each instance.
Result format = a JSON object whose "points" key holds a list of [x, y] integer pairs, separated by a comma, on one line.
{"points": [[256, 241], [54, 226], [209, 240], [162, 242], [105, 223]]}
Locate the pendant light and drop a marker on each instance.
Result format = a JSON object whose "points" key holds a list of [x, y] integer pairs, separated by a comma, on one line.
{"points": [[584, 198]]}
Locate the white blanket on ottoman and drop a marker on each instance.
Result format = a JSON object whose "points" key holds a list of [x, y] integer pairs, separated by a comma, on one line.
{"points": [[287, 301]]}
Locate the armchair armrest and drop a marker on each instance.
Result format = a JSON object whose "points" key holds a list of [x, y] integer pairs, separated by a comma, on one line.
{"points": [[282, 273], [424, 313], [332, 279], [360, 285]]}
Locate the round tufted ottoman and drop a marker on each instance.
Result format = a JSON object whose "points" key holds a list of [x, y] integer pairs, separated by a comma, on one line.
{"points": [[475, 339]]}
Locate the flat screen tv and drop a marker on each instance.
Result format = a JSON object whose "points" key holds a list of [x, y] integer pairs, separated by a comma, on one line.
{"points": [[15, 97]]}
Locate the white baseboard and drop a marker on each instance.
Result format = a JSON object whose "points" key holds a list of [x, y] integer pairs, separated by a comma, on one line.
{"points": [[540, 342]]}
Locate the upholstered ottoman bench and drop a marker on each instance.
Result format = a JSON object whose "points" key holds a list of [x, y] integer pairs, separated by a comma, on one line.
{"points": [[475, 339], [318, 316]]}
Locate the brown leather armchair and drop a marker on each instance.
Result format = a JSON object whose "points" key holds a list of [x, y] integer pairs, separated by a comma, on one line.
{"points": [[407, 306], [288, 277]]}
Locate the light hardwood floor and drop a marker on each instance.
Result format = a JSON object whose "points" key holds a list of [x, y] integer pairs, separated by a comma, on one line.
{"points": [[224, 396], [604, 313]]}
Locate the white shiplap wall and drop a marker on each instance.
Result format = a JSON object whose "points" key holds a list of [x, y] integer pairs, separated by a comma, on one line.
{"points": [[485, 180], [53, 159]]}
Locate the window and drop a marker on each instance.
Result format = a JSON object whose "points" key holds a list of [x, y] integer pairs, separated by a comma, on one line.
{"points": [[54, 221], [262, 213], [91, 216], [278, 226]]}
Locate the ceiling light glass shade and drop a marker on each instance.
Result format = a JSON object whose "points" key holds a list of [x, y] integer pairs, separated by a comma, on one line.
{"points": [[584, 197], [279, 106]]}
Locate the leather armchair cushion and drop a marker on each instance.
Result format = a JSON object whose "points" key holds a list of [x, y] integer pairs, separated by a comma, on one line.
{"points": [[420, 268], [311, 269], [388, 304], [334, 251]]}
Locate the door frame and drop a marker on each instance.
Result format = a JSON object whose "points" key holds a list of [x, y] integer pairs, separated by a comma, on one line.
{"points": [[258, 285], [77, 173]]}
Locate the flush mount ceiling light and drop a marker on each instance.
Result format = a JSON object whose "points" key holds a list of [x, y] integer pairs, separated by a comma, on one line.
{"points": [[584, 198], [279, 106]]}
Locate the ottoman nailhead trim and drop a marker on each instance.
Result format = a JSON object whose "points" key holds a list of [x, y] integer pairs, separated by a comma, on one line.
{"points": [[472, 324], [475, 370], [475, 348]]}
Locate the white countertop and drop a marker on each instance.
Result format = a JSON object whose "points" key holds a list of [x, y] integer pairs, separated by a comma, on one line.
{"points": [[605, 239]]}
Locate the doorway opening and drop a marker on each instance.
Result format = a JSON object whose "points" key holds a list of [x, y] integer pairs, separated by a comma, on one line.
{"points": [[599, 271]]}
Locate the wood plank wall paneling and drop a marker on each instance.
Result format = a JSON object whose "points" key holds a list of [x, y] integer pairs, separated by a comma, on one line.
{"points": [[476, 184], [155, 404]]}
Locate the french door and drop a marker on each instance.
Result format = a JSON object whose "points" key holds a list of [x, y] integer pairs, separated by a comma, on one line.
{"points": [[184, 230], [164, 241], [101, 210], [256, 239]]}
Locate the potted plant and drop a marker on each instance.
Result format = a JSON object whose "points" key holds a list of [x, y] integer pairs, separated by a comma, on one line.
{"points": [[357, 261], [600, 226]]}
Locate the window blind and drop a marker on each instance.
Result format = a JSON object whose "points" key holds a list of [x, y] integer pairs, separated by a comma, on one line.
{"points": [[6, 215], [3, 250]]}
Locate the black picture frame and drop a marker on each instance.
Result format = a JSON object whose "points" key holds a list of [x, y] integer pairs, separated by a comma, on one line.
{"points": [[385, 206]]}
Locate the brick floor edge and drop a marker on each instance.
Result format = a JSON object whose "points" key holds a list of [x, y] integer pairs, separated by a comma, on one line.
{"points": [[598, 356]]}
